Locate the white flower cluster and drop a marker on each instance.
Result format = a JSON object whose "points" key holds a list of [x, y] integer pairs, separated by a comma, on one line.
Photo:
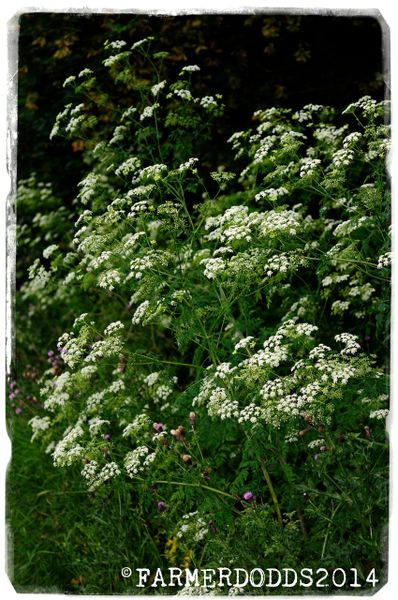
{"points": [[104, 349], [274, 388], [68, 81], [148, 111], [38, 275], [189, 165], [335, 278], [378, 149], [273, 355], [95, 479], [189, 69], [380, 414], [128, 113], [306, 113], [152, 378], [329, 134], [55, 400], [131, 165], [183, 94], [116, 387], [316, 443], [339, 307], [94, 401], [279, 263], [283, 221], [208, 102], [213, 267], [47, 252], [89, 470], [236, 140], [141, 423], [97, 262], [351, 139], [250, 413], [366, 104], [138, 460], [264, 149], [271, 194], [235, 590], [108, 279], [109, 471], [274, 412], [155, 89], [319, 351], [335, 371], [129, 241], [384, 261], [193, 526], [289, 137], [72, 350], [140, 313], [220, 405], [244, 344], [224, 370], [364, 291], [343, 157], [85, 73], [345, 228], [141, 264], [119, 134], [88, 371], [162, 392], [138, 208], [179, 296], [113, 327], [222, 177], [194, 590], [95, 424], [306, 329], [115, 58], [142, 42], [309, 166], [116, 45], [152, 172], [68, 451], [39, 424], [349, 340], [235, 223]]}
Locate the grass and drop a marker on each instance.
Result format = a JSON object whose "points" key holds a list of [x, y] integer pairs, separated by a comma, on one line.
{"points": [[61, 540]]}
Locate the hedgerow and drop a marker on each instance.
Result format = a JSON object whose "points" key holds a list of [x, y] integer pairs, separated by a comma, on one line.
{"points": [[224, 353]]}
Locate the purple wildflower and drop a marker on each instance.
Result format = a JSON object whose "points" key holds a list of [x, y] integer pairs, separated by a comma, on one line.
{"points": [[248, 496], [212, 527], [162, 506]]}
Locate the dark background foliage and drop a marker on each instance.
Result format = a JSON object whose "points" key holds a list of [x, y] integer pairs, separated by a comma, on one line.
{"points": [[61, 538], [255, 61]]}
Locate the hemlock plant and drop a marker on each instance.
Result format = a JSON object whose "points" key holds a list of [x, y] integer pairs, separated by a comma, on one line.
{"points": [[230, 365]]}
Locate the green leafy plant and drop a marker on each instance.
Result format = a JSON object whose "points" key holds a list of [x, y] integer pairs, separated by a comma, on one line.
{"points": [[225, 343]]}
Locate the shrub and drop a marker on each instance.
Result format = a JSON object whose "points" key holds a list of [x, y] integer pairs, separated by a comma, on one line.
{"points": [[226, 363]]}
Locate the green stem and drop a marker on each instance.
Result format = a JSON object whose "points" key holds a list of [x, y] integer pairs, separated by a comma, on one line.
{"points": [[197, 485], [334, 511], [271, 491]]}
